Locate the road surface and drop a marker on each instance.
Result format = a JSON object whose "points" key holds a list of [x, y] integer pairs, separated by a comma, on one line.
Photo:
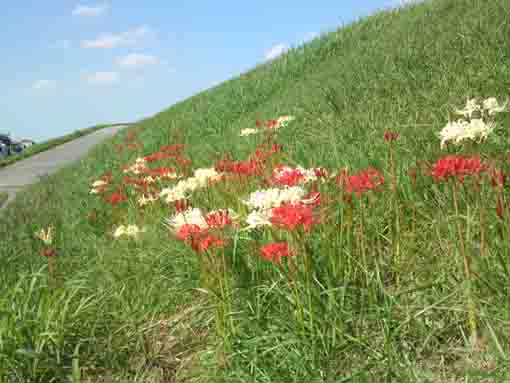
{"points": [[28, 171]]}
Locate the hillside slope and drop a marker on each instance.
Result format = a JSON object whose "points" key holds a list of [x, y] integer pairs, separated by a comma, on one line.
{"points": [[393, 275]]}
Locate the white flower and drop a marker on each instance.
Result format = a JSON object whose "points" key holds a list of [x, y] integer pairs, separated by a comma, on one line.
{"points": [[458, 131], [45, 235], [283, 121], [203, 176], [492, 106], [128, 231], [192, 216], [175, 193], [257, 219], [143, 200], [308, 174], [99, 183], [472, 106], [269, 198], [248, 132]]}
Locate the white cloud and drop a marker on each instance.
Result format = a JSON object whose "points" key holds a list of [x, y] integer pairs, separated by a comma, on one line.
{"points": [[100, 78], [90, 11], [276, 51], [44, 85], [112, 40], [136, 60], [402, 3]]}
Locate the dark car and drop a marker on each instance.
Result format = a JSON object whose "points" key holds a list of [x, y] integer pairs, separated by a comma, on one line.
{"points": [[6, 143]]}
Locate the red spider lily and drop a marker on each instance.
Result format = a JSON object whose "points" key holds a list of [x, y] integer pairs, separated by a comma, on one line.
{"points": [[289, 177], [218, 219], [137, 182], [246, 168], [262, 154], [274, 252], [181, 205], [258, 123], [321, 172], [271, 123], [290, 216], [202, 244], [134, 145], [172, 149], [498, 178], [188, 231], [157, 156], [48, 252], [130, 136], [182, 161], [457, 167], [160, 172], [115, 198], [391, 136], [364, 181]]}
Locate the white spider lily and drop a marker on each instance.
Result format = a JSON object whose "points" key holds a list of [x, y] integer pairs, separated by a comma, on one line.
{"points": [[458, 131], [248, 132]]}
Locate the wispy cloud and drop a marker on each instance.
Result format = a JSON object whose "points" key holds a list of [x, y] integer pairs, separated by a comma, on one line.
{"points": [[90, 10], [276, 51], [44, 85], [101, 78], [136, 61], [112, 40]]}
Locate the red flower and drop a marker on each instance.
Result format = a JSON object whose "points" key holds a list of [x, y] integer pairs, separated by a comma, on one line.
{"points": [[157, 156], [391, 136], [458, 167], [364, 181], [498, 178], [218, 219], [48, 252], [258, 123], [172, 149], [203, 244], [291, 216], [274, 252], [115, 198], [289, 177], [188, 231]]}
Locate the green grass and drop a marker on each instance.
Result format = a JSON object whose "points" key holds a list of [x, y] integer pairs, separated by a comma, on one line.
{"points": [[46, 145], [3, 197], [379, 292]]}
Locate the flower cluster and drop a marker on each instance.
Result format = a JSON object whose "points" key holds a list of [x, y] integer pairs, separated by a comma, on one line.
{"points": [[200, 179], [366, 180], [475, 124], [457, 167], [131, 231], [270, 125]]}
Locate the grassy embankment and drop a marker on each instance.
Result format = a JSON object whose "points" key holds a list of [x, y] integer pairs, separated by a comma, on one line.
{"points": [[46, 145], [407, 282]]}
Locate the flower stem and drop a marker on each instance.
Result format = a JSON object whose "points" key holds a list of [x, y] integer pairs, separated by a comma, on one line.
{"points": [[467, 268]]}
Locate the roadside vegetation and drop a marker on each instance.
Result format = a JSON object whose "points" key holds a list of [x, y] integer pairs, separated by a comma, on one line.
{"points": [[3, 198], [339, 214], [46, 145]]}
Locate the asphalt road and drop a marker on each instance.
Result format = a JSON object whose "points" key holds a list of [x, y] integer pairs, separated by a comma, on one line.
{"points": [[28, 171]]}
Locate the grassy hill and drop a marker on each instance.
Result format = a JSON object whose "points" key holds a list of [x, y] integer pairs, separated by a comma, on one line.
{"points": [[398, 272]]}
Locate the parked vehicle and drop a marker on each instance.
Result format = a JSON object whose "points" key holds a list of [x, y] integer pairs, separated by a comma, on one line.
{"points": [[4, 150]]}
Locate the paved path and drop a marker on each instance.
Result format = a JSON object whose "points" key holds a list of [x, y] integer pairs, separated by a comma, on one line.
{"points": [[27, 171]]}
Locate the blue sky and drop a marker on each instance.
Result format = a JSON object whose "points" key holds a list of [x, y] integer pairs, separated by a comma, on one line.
{"points": [[69, 65]]}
